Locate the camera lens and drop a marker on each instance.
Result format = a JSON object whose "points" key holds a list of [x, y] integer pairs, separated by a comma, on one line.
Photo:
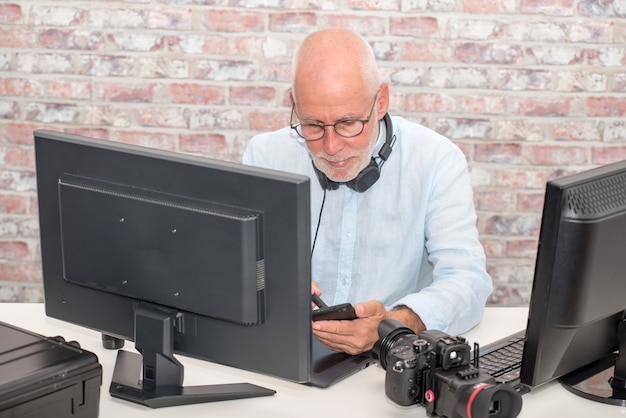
{"points": [[486, 401], [389, 331]]}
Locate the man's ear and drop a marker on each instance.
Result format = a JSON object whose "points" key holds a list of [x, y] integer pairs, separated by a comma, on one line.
{"points": [[383, 101]]}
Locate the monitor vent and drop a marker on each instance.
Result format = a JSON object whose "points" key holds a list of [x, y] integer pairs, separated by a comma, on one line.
{"points": [[260, 275], [598, 198]]}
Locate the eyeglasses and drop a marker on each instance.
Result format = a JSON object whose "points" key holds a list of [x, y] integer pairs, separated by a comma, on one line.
{"points": [[347, 128]]}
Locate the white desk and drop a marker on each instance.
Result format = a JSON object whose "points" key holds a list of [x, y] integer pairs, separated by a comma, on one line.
{"points": [[361, 395]]}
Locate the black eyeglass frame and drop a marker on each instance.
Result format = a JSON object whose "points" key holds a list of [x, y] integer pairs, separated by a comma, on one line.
{"points": [[323, 127]]}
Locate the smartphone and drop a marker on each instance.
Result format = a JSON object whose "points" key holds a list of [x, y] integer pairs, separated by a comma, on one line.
{"points": [[343, 311]]}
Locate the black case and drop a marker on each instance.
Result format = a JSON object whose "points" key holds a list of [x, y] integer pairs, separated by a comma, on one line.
{"points": [[46, 377]]}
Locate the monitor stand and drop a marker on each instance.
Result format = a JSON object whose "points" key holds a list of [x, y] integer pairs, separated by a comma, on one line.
{"points": [[154, 378], [604, 380]]}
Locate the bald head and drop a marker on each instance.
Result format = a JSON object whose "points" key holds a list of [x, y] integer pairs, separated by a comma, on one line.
{"points": [[336, 60]]}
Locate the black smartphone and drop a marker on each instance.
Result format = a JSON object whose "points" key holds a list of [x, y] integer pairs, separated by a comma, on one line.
{"points": [[343, 311]]}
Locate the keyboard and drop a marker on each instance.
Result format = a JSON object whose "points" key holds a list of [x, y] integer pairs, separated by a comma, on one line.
{"points": [[503, 358]]}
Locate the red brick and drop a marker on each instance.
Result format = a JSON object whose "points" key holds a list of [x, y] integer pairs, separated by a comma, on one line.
{"points": [[544, 107], [606, 106], [162, 117], [246, 46], [365, 25], [557, 155], [212, 118], [489, 6], [483, 104], [206, 144], [530, 202], [11, 13], [179, 19], [455, 77], [607, 155], [162, 67], [431, 51], [197, 94], [159, 140], [430, 103], [21, 133], [106, 65], [519, 178], [20, 87], [476, 29], [20, 272], [500, 153], [592, 32], [548, 7], [522, 248], [91, 132], [293, 22], [253, 96], [225, 70], [11, 156], [493, 248], [14, 250], [489, 53], [107, 115], [14, 204], [419, 27], [377, 5], [463, 128], [17, 38], [496, 200], [585, 130], [232, 21], [511, 224], [72, 39], [195, 43], [76, 90], [268, 121], [143, 93], [522, 79]]}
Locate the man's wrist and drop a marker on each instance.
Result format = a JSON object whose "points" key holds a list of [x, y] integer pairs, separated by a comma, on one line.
{"points": [[408, 317]]}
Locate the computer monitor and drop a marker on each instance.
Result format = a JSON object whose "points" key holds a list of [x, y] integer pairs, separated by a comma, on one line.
{"points": [[576, 320], [179, 254]]}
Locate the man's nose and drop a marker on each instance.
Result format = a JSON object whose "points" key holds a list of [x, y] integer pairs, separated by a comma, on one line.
{"points": [[333, 142]]}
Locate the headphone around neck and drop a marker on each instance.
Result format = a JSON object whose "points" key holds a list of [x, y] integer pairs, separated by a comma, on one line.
{"points": [[371, 173]]}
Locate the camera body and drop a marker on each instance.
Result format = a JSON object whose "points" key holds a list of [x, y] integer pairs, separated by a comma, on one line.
{"points": [[435, 370]]}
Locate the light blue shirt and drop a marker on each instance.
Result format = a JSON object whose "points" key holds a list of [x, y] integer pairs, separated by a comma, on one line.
{"points": [[410, 239]]}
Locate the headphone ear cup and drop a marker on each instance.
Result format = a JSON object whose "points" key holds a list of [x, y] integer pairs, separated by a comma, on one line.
{"points": [[325, 182], [366, 178]]}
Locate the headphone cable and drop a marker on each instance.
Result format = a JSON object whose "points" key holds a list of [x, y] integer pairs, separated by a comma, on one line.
{"points": [[319, 221]]}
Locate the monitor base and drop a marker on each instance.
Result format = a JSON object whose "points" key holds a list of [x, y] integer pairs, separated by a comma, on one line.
{"points": [[594, 382], [126, 384]]}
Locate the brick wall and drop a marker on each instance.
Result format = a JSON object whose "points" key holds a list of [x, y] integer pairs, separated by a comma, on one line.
{"points": [[529, 89]]}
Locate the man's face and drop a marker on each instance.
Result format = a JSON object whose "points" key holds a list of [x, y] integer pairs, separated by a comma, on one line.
{"points": [[341, 158]]}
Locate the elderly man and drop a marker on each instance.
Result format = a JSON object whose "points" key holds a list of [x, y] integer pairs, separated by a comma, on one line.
{"points": [[392, 211]]}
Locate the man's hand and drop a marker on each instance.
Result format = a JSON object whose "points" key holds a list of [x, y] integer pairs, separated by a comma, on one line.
{"points": [[359, 335]]}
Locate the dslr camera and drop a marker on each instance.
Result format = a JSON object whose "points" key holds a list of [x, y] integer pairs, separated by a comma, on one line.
{"points": [[435, 370]]}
